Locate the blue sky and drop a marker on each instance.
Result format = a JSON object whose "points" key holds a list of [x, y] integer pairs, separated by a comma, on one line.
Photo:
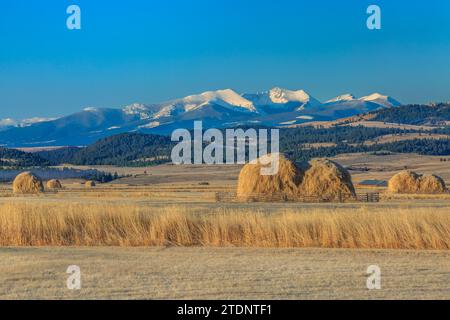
{"points": [[152, 51]]}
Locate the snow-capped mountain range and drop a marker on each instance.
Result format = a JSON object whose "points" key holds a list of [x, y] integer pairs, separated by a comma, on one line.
{"points": [[11, 123], [219, 109]]}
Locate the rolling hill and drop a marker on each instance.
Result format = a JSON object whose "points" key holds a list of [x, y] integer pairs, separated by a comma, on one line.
{"points": [[12, 158], [431, 115], [121, 150]]}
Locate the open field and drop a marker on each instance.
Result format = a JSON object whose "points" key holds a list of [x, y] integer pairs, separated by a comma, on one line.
{"points": [[163, 235], [359, 121], [383, 167], [169, 184], [185, 193], [222, 273], [389, 138]]}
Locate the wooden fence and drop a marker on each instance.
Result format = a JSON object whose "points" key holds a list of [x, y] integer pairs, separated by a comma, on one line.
{"points": [[360, 197]]}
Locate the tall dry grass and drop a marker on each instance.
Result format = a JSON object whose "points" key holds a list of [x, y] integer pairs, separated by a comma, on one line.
{"points": [[53, 224]]}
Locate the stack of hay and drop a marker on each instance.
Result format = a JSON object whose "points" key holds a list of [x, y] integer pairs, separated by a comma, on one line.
{"points": [[54, 184], [27, 183], [90, 184], [328, 180], [324, 179], [411, 182], [253, 186]]}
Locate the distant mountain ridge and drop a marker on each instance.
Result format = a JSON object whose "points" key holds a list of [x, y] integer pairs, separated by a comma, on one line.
{"points": [[219, 109], [426, 131]]}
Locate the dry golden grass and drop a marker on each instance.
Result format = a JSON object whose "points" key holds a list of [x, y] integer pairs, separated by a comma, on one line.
{"points": [[32, 224]]}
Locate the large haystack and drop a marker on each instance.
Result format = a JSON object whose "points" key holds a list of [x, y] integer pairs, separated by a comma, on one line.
{"points": [[27, 183], [54, 184], [404, 182], [254, 186], [90, 184], [411, 182], [328, 180]]}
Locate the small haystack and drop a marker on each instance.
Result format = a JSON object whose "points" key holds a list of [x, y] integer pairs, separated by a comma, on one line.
{"points": [[90, 184], [253, 186], [54, 184], [328, 180], [27, 183], [411, 182], [404, 182]]}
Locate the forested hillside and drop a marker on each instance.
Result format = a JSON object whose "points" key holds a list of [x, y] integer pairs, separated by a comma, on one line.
{"points": [[437, 114], [125, 149], [16, 159], [59, 156]]}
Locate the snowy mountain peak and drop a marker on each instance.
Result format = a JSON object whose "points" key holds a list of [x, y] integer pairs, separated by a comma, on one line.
{"points": [[279, 98], [138, 109], [224, 98], [7, 122], [374, 96], [381, 99], [90, 109], [279, 95], [344, 97], [134, 108], [11, 123], [31, 121]]}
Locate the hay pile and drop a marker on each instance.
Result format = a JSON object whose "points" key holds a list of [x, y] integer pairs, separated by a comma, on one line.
{"points": [[324, 179], [411, 182], [328, 180], [54, 184], [253, 186], [90, 184], [404, 182], [432, 184], [27, 183]]}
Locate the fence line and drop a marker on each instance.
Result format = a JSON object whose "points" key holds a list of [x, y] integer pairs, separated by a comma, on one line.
{"points": [[360, 197]]}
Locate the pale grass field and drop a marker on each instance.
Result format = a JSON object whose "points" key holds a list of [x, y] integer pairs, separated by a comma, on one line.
{"points": [[222, 273]]}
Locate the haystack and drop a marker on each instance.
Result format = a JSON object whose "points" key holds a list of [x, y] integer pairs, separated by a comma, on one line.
{"points": [[90, 184], [54, 184], [432, 184], [27, 183], [253, 186], [404, 182], [412, 182], [328, 180]]}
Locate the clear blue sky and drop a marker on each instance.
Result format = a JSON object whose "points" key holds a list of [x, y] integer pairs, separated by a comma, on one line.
{"points": [[151, 51]]}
